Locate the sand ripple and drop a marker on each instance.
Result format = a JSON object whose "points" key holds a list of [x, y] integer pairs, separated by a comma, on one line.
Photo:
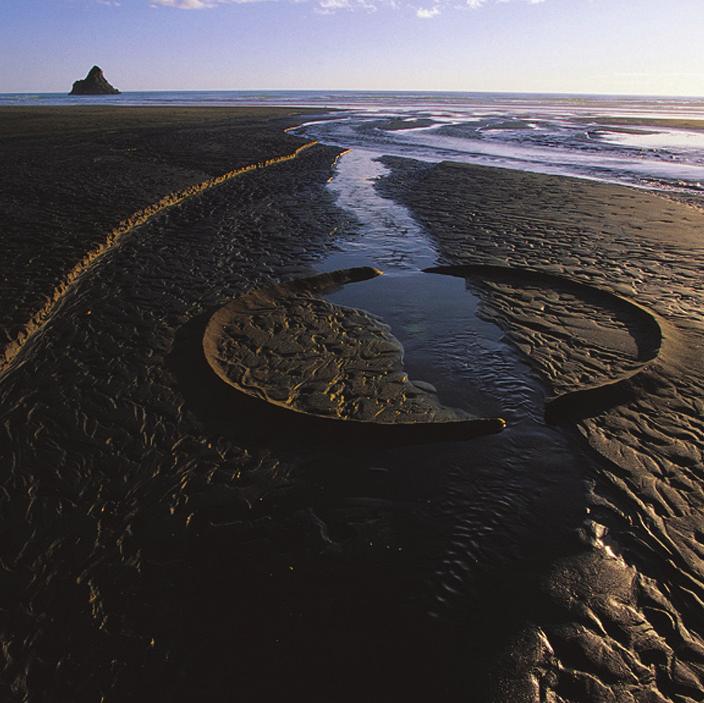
{"points": [[632, 603]]}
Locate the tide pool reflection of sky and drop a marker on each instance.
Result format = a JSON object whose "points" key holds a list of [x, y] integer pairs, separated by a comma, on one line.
{"points": [[645, 47]]}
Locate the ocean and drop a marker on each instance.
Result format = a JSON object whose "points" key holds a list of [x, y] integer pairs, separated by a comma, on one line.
{"points": [[648, 142]]}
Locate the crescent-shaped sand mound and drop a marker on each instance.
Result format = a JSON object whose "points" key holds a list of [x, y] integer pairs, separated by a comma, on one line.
{"points": [[289, 348], [589, 399]]}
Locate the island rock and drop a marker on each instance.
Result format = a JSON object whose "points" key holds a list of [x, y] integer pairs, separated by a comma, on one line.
{"points": [[94, 84]]}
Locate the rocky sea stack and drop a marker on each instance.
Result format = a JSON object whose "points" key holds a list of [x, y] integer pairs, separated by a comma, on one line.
{"points": [[94, 84]]}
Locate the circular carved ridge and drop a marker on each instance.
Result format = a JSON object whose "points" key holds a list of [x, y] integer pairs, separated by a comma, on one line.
{"points": [[341, 367], [589, 400]]}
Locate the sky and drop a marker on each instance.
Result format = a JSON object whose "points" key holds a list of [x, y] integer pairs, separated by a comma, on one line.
{"points": [[644, 47]]}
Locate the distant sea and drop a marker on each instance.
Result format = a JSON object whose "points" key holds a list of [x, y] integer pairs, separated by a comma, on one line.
{"points": [[649, 142]]}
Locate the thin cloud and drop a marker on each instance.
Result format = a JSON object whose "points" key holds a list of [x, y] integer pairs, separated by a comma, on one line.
{"points": [[184, 4], [427, 13], [197, 4], [328, 7], [334, 5]]}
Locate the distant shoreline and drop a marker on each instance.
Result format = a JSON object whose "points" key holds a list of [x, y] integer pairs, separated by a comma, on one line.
{"points": [[606, 96]]}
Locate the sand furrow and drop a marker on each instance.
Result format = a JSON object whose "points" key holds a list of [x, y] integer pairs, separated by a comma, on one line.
{"points": [[37, 321]]}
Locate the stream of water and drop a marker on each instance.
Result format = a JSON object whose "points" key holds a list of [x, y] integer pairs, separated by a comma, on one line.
{"points": [[435, 317], [488, 496]]}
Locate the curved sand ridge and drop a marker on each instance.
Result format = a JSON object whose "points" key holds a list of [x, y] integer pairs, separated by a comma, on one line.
{"points": [[289, 348], [140, 217], [593, 398]]}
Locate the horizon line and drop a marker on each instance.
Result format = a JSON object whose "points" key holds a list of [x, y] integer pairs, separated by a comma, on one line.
{"points": [[362, 90]]}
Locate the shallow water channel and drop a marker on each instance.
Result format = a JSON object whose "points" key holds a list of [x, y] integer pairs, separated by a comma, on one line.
{"points": [[490, 503], [435, 317]]}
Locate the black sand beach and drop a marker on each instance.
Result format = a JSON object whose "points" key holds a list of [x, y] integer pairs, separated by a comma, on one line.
{"points": [[163, 541], [635, 603]]}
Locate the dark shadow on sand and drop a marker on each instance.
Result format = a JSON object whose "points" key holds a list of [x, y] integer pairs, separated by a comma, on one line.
{"points": [[343, 623]]}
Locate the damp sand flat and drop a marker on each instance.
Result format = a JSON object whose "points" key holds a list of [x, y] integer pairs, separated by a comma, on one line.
{"points": [[71, 175], [161, 544], [649, 498]]}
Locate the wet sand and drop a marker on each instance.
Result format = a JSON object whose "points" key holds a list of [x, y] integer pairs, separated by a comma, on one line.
{"points": [[627, 612], [163, 542], [666, 122], [73, 175]]}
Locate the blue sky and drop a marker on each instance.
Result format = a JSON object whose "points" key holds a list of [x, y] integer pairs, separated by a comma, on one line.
{"points": [[592, 46]]}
